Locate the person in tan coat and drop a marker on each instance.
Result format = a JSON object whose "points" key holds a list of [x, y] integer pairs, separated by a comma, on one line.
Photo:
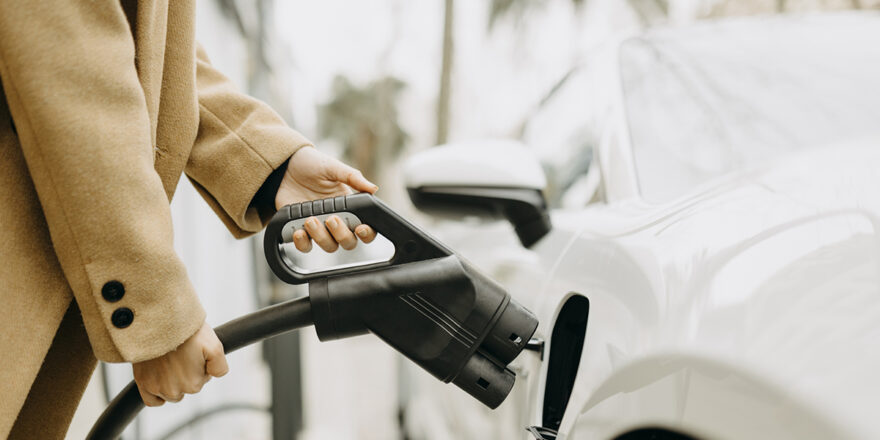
{"points": [[106, 103]]}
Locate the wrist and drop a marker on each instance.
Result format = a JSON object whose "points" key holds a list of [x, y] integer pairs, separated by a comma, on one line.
{"points": [[308, 148], [264, 200]]}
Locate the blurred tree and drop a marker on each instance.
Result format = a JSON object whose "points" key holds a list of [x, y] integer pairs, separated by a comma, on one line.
{"points": [[725, 8], [266, 74], [651, 12], [516, 9], [230, 10], [365, 121], [445, 94]]}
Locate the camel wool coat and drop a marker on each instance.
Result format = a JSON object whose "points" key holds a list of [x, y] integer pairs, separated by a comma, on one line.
{"points": [[106, 103]]}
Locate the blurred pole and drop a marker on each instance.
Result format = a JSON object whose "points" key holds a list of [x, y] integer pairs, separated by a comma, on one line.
{"points": [[282, 354], [444, 96]]}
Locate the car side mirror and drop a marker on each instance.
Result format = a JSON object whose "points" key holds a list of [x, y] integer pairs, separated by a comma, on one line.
{"points": [[488, 179]]}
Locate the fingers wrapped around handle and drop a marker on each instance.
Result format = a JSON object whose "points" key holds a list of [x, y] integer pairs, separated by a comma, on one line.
{"points": [[331, 234]]}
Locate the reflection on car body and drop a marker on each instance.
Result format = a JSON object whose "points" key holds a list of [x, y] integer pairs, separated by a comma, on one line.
{"points": [[721, 255]]}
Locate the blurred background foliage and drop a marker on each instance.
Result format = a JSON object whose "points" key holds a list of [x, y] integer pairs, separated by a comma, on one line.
{"points": [[516, 9], [365, 120], [363, 114]]}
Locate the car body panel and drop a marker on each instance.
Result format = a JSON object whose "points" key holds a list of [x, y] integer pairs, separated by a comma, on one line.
{"points": [[762, 283], [748, 307]]}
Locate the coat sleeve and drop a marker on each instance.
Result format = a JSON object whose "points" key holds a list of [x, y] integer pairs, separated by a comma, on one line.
{"points": [[69, 77], [240, 142]]}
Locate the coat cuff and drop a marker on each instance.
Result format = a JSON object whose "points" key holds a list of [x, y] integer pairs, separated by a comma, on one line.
{"points": [[231, 186], [145, 313]]}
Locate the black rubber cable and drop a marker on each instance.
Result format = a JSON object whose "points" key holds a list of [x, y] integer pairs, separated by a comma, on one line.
{"points": [[105, 388], [235, 334]]}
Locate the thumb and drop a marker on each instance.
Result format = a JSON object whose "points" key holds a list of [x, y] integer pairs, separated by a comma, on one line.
{"points": [[215, 363], [355, 179]]}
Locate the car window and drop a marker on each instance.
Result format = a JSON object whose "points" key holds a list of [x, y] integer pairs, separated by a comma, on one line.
{"points": [[715, 98], [564, 129]]}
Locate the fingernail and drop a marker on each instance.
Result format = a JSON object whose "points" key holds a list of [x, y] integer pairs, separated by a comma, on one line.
{"points": [[362, 232], [331, 222]]}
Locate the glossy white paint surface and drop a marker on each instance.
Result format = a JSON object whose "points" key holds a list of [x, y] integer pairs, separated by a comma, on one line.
{"points": [[490, 163], [748, 308]]}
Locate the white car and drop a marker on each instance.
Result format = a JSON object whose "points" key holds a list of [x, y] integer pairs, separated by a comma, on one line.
{"points": [[716, 272]]}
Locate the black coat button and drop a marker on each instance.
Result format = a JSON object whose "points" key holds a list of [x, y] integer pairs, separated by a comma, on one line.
{"points": [[113, 291], [122, 317]]}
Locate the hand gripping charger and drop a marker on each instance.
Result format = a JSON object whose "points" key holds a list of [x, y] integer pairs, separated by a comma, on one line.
{"points": [[426, 302]]}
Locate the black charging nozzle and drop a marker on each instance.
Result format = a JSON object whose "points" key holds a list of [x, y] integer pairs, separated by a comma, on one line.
{"points": [[426, 302]]}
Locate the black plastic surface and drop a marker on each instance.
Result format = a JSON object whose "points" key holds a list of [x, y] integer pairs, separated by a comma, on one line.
{"points": [[566, 346], [426, 302], [122, 317], [439, 314], [410, 243], [112, 291], [654, 434], [524, 208]]}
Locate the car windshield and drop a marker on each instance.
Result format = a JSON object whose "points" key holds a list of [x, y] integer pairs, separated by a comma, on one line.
{"points": [[704, 101]]}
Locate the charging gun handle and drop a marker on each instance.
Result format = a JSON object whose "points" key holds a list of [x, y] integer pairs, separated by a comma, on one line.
{"points": [[410, 243]]}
